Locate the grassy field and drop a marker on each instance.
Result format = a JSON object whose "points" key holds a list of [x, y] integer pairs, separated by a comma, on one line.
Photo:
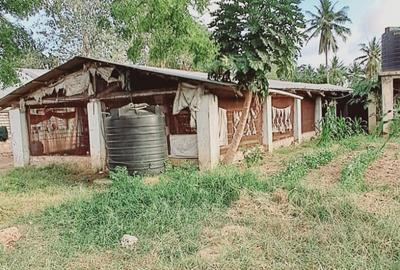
{"points": [[309, 207]]}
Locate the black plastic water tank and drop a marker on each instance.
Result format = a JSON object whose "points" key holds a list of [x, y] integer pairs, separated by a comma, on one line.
{"points": [[391, 49], [135, 138]]}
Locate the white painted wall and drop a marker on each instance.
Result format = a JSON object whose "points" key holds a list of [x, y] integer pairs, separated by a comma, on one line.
{"points": [[387, 102], [267, 123], [19, 137], [297, 120], [96, 135], [208, 132]]}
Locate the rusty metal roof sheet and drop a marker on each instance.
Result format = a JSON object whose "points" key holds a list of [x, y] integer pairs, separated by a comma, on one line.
{"points": [[76, 63]]}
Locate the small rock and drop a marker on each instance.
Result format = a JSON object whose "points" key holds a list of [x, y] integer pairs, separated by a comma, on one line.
{"points": [[9, 236], [129, 241]]}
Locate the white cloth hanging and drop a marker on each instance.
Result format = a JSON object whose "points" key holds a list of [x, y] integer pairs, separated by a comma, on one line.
{"points": [[282, 119], [188, 96]]}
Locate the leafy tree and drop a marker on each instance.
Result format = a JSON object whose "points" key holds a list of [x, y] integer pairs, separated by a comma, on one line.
{"points": [[83, 27], [254, 36], [337, 72], [14, 40], [163, 32], [328, 24], [371, 58]]}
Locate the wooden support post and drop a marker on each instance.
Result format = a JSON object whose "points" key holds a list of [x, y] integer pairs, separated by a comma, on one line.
{"points": [[297, 120], [19, 137], [208, 132], [96, 135], [267, 124]]}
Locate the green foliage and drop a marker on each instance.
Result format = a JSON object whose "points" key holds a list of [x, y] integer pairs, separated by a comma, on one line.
{"points": [[255, 36], [182, 198], [337, 72], [298, 168], [164, 33], [3, 134], [254, 155], [327, 23], [14, 40], [352, 175], [371, 58], [307, 74], [336, 128], [31, 179]]}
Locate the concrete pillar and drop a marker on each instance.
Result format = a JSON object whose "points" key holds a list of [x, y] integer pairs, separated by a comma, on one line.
{"points": [[267, 124], [96, 135], [387, 102], [297, 120], [318, 112], [19, 137], [371, 113], [208, 132]]}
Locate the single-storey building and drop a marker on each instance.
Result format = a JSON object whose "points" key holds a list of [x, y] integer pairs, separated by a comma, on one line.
{"points": [[59, 115]]}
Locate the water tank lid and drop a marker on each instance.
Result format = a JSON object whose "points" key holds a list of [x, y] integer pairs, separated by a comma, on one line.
{"points": [[131, 109]]}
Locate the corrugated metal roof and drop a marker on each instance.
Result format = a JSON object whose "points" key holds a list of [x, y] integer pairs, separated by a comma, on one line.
{"points": [[33, 83], [25, 75]]}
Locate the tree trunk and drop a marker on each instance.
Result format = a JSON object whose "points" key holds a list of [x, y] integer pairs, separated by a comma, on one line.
{"points": [[237, 137], [326, 65]]}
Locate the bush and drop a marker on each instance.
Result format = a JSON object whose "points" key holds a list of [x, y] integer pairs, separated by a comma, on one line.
{"points": [[335, 128], [254, 155]]}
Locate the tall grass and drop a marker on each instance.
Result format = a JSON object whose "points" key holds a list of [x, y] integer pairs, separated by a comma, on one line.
{"points": [[336, 128], [182, 198]]}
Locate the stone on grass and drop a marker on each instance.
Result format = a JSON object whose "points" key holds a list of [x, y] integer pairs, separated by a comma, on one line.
{"points": [[129, 241], [9, 236]]}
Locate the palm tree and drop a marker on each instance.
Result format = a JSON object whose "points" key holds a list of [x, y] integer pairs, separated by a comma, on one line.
{"points": [[371, 58], [337, 72], [327, 23], [355, 73]]}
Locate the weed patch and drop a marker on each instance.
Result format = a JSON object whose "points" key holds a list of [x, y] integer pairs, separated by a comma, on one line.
{"points": [[298, 168], [352, 174]]}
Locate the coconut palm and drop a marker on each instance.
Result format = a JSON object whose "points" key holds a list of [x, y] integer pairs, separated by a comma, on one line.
{"points": [[371, 58], [337, 72], [328, 24], [355, 73]]}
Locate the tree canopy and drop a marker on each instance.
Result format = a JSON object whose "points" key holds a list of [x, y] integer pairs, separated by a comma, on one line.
{"points": [[254, 36], [83, 27], [371, 58], [14, 40], [164, 33]]}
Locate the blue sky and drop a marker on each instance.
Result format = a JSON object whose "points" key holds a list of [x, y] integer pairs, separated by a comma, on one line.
{"points": [[370, 18]]}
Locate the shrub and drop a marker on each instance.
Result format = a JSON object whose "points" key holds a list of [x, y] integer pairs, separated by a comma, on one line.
{"points": [[335, 128], [254, 155]]}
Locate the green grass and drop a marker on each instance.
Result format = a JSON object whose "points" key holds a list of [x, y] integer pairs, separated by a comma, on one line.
{"points": [[352, 175], [182, 198], [30, 179], [188, 210]]}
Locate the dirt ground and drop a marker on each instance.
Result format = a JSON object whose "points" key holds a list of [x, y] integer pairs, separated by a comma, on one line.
{"points": [[6, 163], [385, 171]]}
